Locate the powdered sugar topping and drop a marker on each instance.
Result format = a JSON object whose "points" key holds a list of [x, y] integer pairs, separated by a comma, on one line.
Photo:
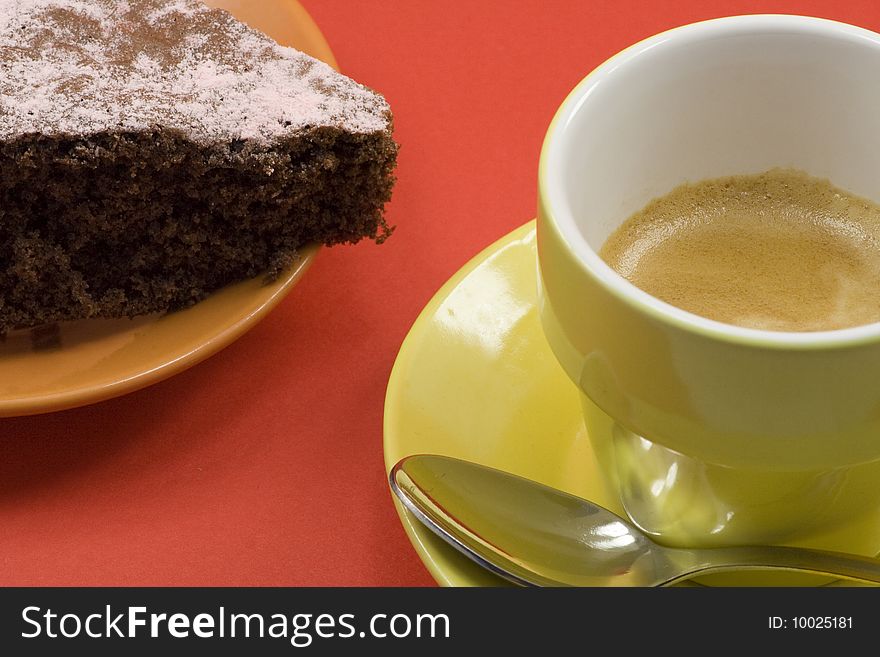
{"points": [[85, 66]]}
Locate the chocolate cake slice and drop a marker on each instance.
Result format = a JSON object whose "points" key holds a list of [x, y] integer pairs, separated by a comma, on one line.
{"points": [[153, 151]]}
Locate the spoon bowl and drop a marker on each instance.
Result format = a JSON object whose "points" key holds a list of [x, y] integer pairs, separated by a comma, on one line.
{"points": [[535, 535]]}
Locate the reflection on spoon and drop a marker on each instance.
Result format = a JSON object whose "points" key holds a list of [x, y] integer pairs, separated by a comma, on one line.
{"points": [[532, 534]]}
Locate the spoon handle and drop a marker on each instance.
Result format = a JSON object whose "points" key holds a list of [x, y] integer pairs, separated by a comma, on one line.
{"points": [[851, 567]]}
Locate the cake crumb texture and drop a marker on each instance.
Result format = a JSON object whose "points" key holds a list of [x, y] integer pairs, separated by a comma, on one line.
{"points": [[153, 151]]}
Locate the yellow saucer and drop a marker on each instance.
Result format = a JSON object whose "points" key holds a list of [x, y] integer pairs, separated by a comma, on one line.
{"points": [[75, 363], [475, 379]]}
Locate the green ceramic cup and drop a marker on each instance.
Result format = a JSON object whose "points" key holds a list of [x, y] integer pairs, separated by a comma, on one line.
{"points": [[713, 434]]}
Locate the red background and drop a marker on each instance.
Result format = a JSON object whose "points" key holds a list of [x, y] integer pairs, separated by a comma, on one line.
{"points": [[263, 465]]}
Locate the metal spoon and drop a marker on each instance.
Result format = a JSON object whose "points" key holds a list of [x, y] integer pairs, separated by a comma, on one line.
{"points": [[535, 535]]}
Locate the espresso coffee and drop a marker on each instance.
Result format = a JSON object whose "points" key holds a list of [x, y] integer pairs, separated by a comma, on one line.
{"points": [[779, 251]]}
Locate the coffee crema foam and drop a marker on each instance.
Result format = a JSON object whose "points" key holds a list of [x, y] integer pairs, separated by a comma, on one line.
{"points": [[780, 251]]}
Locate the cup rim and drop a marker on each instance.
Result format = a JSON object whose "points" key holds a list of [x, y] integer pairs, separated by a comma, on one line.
{"points": [[558, 214]]}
